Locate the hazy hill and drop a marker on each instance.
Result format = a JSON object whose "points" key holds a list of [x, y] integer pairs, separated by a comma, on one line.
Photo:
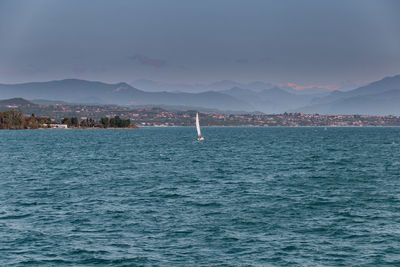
{"points": [[381, 98], [81, 91], [71, 90], [315, 91], [386, 84], [208, 99], [274, 100], [156, 86], [48, 102], [15, 102], [271, 100]]}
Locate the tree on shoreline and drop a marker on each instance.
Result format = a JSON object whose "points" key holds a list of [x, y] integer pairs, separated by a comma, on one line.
{"points": [[15, 120], [117, 122], [104, 122]]}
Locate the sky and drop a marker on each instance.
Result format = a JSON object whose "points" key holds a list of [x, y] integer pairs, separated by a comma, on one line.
{"points": [[301, 43]]}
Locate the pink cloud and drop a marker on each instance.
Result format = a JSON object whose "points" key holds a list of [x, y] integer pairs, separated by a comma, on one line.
{"points": [[310, 86], [79, 69]]}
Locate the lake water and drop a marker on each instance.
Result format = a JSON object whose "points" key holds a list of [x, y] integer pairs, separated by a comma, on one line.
{"points": [[243, 197]]}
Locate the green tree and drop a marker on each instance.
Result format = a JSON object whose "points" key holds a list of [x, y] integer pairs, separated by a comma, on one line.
{"points": [[74, 122], [105, 122], [66, 121], [84, 123], [12, 119]]}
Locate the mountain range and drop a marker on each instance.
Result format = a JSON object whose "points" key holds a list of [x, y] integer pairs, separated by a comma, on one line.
{"points": [[89, 92], [380, 97], [156, 86]]}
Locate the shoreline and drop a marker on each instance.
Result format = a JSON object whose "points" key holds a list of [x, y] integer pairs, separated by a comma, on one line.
{"points": [[277, 126], [210, 126]]}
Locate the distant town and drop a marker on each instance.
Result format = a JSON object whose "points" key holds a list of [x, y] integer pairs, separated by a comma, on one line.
{"points": [[153, 116]]}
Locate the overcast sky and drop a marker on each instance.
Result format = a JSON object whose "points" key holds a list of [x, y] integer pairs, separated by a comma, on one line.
{"points": [[300, 42]]}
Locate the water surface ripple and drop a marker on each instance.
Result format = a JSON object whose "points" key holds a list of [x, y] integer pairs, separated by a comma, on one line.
{"points": [[243, 197]]}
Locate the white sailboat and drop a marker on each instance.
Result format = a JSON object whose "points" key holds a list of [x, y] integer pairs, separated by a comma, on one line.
{"points": [[200, 137]]}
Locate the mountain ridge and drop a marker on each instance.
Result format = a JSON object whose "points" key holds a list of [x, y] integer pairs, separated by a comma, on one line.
{"points": [[83, 91], [381, 97]]}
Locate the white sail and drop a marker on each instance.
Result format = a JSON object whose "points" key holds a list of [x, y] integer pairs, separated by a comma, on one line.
{"points": [[198, 125]]}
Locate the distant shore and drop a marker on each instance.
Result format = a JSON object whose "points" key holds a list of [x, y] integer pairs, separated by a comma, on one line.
{"points": [[207, 126], [91, 128], [81, 129], [274, 126], [16, 120]]}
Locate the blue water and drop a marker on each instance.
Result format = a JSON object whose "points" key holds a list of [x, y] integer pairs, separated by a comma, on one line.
{"points": [[243, 197]]}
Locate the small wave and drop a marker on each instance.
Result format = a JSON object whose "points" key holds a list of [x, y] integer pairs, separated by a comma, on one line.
{"points": [[173, 196], [289, 248], [118, 245], [85, 251], [181, 232], [80, 221], [29, 204], [230, 239], [210, 204], [136, 260], [13, 217], [53, 262], [213, 213]]}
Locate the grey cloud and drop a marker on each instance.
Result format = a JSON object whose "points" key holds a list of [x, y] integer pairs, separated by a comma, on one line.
{"points": [[145, 60]]}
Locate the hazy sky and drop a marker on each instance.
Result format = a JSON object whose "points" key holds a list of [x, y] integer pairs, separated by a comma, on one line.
{"points": [[302, 42]]}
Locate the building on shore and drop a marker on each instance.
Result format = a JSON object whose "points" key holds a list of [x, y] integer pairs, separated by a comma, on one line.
{"points": [[55, 126]]}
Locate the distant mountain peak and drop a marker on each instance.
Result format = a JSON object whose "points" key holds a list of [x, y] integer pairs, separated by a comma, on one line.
{"points": [[390, 78]]}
